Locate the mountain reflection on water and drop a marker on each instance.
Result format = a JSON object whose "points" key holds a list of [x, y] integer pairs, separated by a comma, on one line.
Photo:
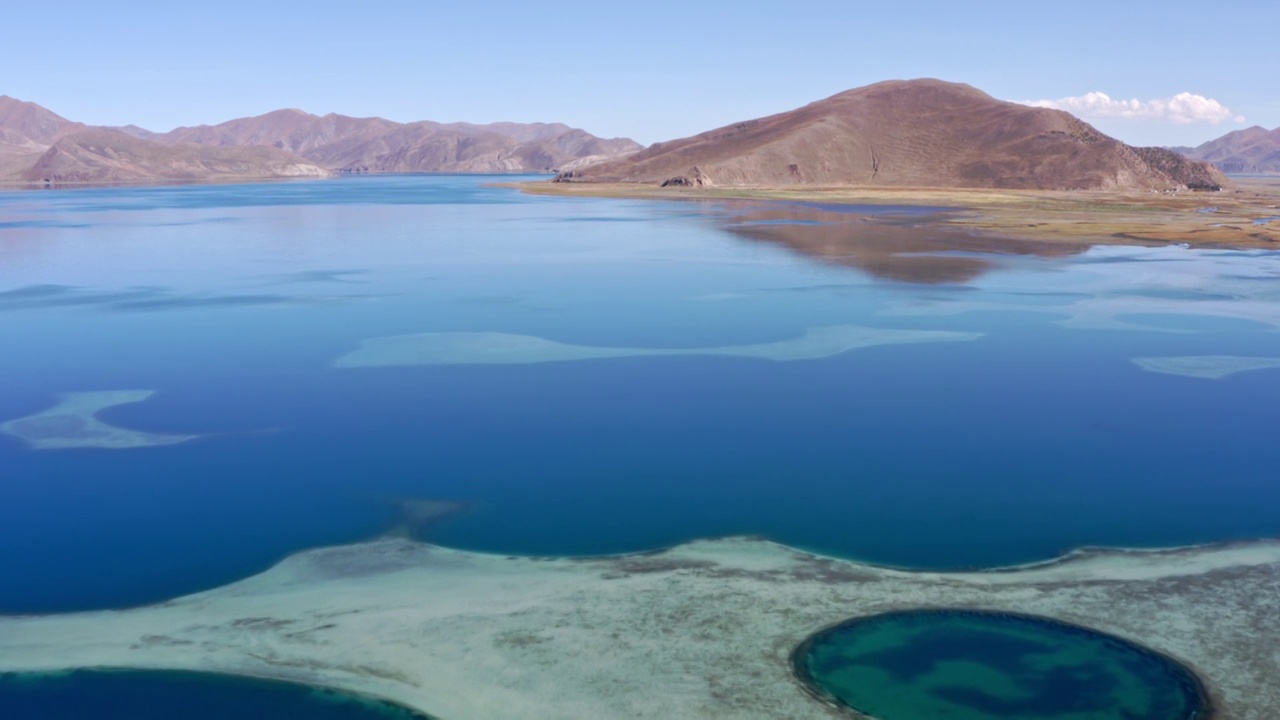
{"points": [[904, 246]]}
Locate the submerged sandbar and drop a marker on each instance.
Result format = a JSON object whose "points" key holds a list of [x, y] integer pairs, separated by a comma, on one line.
{"points": [[1209, 367], [491, 348], [702, 630], [73, 423]]}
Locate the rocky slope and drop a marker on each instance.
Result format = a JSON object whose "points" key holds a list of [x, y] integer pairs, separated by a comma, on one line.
{"points": [[908, 133], [1254, 150]]}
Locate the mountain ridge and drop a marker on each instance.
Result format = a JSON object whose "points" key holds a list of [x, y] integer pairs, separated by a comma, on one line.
{"points": [[1253, 150], [38, 145]]}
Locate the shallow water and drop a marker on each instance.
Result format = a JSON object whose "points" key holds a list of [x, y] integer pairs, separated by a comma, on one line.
{"points": [[983, 666], [156, 695], [234, 302]]}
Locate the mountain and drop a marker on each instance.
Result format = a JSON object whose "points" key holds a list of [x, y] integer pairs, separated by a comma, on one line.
{"points": [[33, 122], [1252, 150], [40, 146], [350, 144], [908, 133], [37, 145], [26, 131], [102, 155]]}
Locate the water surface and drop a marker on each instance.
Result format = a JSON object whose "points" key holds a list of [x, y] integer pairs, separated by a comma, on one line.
{"points": [[233, 302], [164, 695]]}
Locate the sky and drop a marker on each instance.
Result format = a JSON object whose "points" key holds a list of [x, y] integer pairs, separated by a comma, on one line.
{"points": [[1149, 73]]}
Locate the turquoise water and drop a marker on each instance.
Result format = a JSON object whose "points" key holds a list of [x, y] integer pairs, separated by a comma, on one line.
{"points": [[234, 302], [156, 695], [986, 666]]}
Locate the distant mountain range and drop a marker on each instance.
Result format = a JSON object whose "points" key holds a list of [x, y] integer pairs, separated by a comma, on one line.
{"points": [[908, 133], [896, 133], [1255, 150], [39, 146]]}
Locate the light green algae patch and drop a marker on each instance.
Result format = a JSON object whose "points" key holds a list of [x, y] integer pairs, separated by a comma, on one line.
{"points": [[1210, 367], [490, 348], [73, 423]]}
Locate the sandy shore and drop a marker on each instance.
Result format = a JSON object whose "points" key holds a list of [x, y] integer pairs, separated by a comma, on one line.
{"points": [[703, 630], [1230, 218]]}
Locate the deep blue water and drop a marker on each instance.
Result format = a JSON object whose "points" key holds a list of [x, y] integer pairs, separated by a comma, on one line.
{"points": [[155, 695], [233, 301], [965, 665]]}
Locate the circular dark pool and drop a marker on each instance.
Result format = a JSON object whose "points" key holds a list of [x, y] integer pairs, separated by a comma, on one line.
{"points": [[966, 665], [164, 695]]}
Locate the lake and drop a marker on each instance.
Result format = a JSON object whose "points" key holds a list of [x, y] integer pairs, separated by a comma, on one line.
{"points": [[586, 376]]}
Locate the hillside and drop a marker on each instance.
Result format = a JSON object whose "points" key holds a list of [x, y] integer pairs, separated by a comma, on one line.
{"points": [[26, 131], [908, 133], [1254, 150], [101, 155]]}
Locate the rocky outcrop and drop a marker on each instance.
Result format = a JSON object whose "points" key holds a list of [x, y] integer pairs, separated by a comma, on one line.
{"points": [[1188, 173], [698, 179]]}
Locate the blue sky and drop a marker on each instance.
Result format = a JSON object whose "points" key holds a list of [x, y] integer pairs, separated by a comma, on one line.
{"points": [[653, 70]]}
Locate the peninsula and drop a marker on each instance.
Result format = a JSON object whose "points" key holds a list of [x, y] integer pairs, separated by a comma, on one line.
{"points": [[702, 630], [1014, 173]]}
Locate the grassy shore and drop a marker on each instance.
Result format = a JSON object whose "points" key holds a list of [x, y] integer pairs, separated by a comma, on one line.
{"points": [[1090, 217]]}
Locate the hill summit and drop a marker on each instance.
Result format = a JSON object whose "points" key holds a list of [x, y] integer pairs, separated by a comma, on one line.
{"points": [[908, 133]]}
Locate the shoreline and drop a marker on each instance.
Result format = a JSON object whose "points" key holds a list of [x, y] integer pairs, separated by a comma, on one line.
{"points": [[703, 629], [1083, 217], [16, 185]]}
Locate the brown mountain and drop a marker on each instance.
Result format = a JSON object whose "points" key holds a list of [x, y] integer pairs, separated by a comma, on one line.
{"points": [[26, 131], [908, 133], [34, 122], [37, 145], [1252, 150], [354, 144]]}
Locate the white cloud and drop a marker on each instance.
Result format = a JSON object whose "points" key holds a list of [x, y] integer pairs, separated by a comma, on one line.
{"points": [[1182, 109]]}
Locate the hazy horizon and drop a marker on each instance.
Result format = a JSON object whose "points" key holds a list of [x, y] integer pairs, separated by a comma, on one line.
{"points": [[1147, 74]]}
